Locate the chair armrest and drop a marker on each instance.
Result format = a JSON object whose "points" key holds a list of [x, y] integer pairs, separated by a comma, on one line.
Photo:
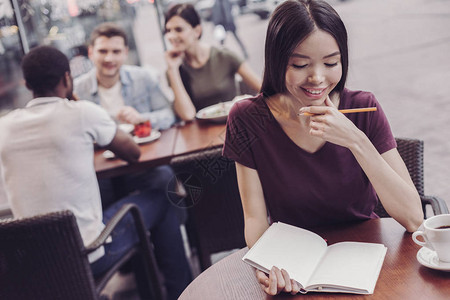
{"points": [[145, 249], [118, 216], [438, 205]]}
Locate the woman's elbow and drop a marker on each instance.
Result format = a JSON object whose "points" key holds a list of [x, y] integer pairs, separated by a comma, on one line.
{"points": [[414, 225], [414, 221], [186, 115]]}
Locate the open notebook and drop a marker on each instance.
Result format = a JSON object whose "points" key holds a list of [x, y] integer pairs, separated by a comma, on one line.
{"points": [[346, 267]]}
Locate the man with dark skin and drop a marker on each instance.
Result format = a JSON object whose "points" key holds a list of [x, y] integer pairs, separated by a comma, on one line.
{"points": [[46, 154]]}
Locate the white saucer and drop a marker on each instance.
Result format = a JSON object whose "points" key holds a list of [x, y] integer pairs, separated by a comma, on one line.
{"points": [[152, 137], [428, 258], [108, 154]]}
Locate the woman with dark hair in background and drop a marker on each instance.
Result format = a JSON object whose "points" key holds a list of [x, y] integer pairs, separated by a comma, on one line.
{"points": [[199, 74], [298, 159]]}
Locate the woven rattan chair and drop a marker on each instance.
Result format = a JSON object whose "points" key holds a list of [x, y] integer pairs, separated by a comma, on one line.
{"points": [[43, 257], [215, 218], [411, 151]]}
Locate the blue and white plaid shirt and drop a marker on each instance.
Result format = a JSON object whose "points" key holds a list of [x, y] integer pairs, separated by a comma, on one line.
{"points": [[139, 90]]}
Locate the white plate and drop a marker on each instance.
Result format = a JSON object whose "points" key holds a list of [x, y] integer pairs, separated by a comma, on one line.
{"points": [[219, 112], [152, 137], [128, 128], [108, 154], [216, 113], [428, 258]]}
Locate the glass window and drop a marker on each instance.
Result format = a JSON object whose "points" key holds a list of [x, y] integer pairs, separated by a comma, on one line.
{"points": [[12, 90], [64, 24]]}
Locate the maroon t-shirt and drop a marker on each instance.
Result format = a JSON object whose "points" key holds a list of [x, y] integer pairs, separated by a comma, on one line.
{"points": [[301, 188]]}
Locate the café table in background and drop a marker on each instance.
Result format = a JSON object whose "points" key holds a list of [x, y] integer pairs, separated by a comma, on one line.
{"points": [[401, 277], [153, 154], [198, 135], [178, 140]]}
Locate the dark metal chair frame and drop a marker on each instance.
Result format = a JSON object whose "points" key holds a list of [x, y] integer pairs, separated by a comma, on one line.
{"points": [[43, 257]]}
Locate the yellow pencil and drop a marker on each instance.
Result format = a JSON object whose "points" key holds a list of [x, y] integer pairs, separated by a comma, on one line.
{"points": [[345, 111]]}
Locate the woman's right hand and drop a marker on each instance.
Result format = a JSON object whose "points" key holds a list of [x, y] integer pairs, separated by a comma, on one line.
{"points": [[277, 281], [174, 59]]}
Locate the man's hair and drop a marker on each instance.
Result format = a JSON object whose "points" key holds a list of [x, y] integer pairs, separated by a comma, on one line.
{"points": [[108, 30], [43, 67]]}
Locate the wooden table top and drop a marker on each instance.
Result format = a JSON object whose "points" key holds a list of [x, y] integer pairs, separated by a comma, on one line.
{"points": [[198, 135], [175, 141], [401, 277]]}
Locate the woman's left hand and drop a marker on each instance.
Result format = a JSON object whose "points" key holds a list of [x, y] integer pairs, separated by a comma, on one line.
{"points": [[330, 124], [277, 281]]}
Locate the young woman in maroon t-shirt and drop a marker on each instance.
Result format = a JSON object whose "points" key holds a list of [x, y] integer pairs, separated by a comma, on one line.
{"points": [[295, 167]]}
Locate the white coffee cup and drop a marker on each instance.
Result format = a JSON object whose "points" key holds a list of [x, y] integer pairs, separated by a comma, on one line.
{"points": [[436, 236]]}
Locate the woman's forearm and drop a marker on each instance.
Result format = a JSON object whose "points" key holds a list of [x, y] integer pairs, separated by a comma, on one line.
{"points": [[391, 181], [253, 204], [182, 104], [254, 229], [249, 77]]}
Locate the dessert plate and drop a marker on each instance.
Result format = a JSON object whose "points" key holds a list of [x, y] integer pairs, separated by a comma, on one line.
{"points": [[428, 258], [152, 137]]}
